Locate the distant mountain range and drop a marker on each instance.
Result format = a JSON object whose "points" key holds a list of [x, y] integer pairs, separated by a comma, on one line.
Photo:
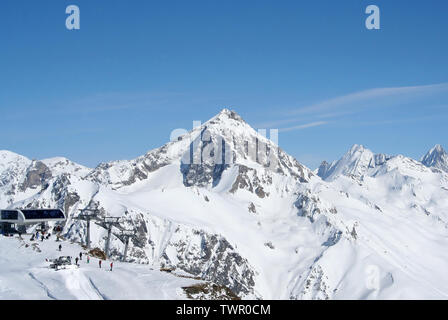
{"points": [[225, 204]]}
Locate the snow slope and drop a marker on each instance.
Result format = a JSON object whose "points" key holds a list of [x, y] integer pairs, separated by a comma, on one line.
{"points": [[26, 275], [399, 210]]}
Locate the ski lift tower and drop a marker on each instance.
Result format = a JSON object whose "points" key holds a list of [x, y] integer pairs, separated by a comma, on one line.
{"points": [[87, 215], [107, 223], [125, 236]]}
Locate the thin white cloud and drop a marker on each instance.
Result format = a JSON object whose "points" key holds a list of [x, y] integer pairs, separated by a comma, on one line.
{"points": [[399, 120], [303, 126], [363, 98], [353, 103], [277, 123], [282, 122]]}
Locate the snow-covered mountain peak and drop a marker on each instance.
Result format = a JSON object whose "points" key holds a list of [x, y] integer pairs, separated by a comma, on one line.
{"points": [[229, 124], [11, 166], [436, 158], [354, 163], [8, 157], [227, 114], [251, 148], [438, 148], [226, 141], [357, 148], [61, 165], [357, 155], [236, 132], [204, 154]]}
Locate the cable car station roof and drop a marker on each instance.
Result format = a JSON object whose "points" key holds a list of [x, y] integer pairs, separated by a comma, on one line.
{"points": [[30, 216]]}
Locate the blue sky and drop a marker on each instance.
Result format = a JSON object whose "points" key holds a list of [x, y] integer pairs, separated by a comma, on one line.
{"points": [[139, 69]]}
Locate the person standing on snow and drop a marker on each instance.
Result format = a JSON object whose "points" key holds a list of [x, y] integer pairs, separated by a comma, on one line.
{"points": [[80, 256], [99, 263], [76, 260], [111, 266], [60, 247], [88, 259]]}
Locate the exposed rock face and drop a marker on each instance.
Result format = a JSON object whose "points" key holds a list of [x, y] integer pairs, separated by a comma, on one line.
{"points": [[228, 140], [200, 253], [319, 214], [209, 291], [120, 174], [70, 200], [202, 175], [308, 206], [290, 166], [252, 208], [323, 169], [315, 287], [210, 257], [248, 179], [436, 158], [205, 160], [37, 175]]}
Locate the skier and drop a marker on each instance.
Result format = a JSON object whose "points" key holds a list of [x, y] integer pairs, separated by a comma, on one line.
{"points": [[88, 259], [80, 256], [111, 266], [76, 260], [99, 263], [60, 247]]}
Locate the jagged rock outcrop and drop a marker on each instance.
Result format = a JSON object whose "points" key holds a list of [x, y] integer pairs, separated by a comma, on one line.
{"points": [[355, 163], [436, 158], [210, 257]]}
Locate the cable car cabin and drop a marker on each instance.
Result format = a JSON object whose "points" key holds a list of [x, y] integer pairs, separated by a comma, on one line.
{"points": [[23, 217]]}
